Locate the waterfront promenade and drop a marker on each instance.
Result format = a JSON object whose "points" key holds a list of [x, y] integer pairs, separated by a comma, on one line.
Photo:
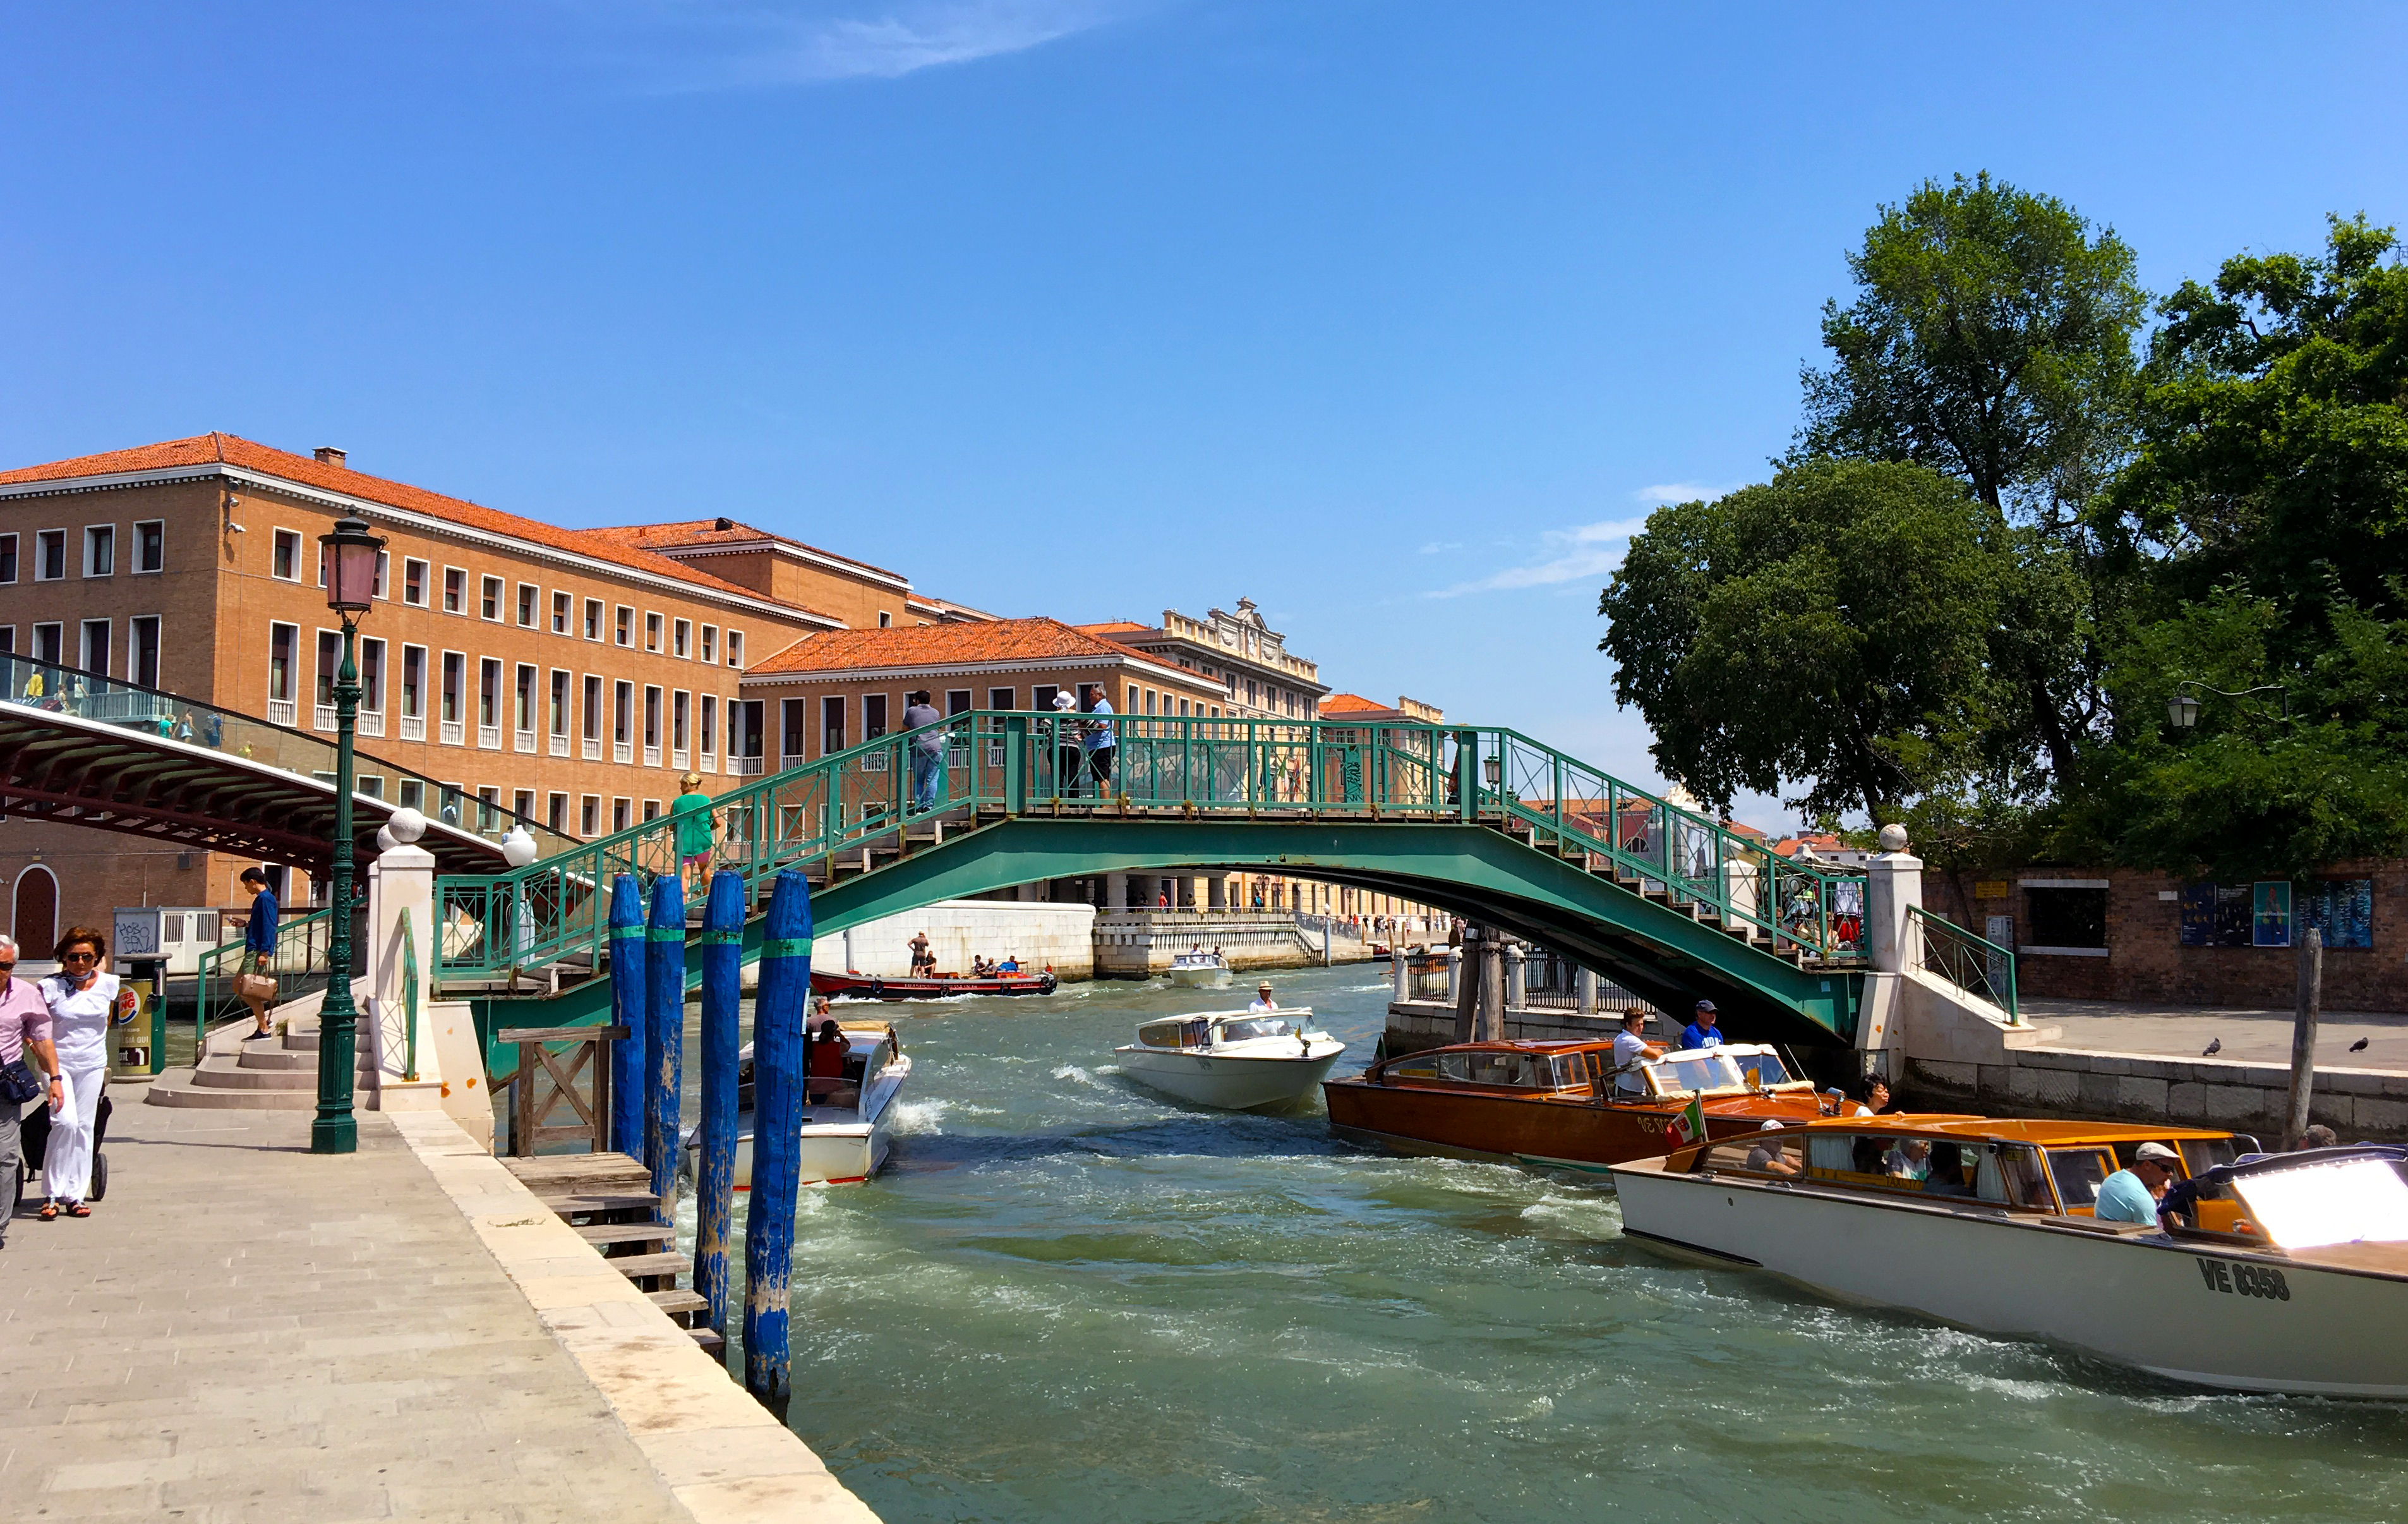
{"points": [[243, 1330]]}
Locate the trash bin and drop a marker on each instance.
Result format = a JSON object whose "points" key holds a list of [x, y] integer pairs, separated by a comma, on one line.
{"points": [[138, 1028]]}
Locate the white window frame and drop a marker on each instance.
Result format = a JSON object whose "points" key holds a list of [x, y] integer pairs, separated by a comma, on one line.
{"points": [[735, 650], [139, 569], [564, 611], [622, 625], [528, 608], [452, 732], [500, 588], [710, 652], [62, 532], [444, 591], [652, 633], [134, 647], [16, 543], [413, 726], [594, 625], [89, 531], [83, 644], [589, 816], [423, 578], [681, 639]]}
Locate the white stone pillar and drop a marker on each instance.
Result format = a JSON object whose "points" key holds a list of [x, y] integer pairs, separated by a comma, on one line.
{"points": [[1584, 986], [1517, 976], [1116, 893], [1893, 884], [1454, 974], [1028, 894], [1218, 886], [1400, 969]]}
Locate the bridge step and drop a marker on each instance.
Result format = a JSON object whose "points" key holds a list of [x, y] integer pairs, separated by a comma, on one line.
{"points": [[676, 1304], [608, 1235], [711, 1342], [644, 1267]]}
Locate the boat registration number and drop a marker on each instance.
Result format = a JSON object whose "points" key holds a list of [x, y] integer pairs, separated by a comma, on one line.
{"points": [[2246, 1280]]}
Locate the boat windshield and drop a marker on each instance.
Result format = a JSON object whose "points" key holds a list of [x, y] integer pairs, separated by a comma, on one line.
{"points": [[1702, 1073], [1247, 1028], [1762, 1070], [2346, 1201], [1173, 1034]]}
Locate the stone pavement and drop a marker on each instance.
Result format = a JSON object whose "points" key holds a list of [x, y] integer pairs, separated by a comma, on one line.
{"points": [[2248, 1035], [245, 1331]]}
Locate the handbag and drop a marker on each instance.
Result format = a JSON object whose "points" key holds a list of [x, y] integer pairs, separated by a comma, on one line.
{"points": [[18, 1083], [256, 982]]}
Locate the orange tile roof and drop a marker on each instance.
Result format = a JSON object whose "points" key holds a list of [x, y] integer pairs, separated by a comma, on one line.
{"points": [[1116, 626], [943, 645], [1353, 703], [234, 450], [684, 532]]}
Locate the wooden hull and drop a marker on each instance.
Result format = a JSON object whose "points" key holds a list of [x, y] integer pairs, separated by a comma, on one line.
{"points": [[1535, 1130], [867, 987]]}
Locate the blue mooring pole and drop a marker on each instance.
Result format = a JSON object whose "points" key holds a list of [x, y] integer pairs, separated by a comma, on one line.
{"points": [[777, 1015], [714, 1203], [664, 1035], [627, 1010]]}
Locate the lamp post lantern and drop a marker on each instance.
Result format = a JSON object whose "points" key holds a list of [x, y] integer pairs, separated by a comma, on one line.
{"points": [[351, 554]]}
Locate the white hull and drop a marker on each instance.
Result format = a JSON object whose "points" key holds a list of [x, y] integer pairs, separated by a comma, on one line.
{"points": [[1200, 978], [836, 1147], [2189, 1312], [1229, 1083]]}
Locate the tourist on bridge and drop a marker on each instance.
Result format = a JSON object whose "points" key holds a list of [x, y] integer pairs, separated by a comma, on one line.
{"points": [[25, 1051], [1702, 1032], [259, 947], [927, 751], [1069, 758], [80, 997], [1103, 744], [697, 827]]}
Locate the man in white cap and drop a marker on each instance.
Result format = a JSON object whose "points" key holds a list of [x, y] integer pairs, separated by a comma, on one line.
{"points": [[2131, 1194]]}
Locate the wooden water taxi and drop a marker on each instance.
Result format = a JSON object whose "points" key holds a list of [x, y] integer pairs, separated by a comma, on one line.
{"points": [[935, 987], [2283, 1272], [1555, 1105]]}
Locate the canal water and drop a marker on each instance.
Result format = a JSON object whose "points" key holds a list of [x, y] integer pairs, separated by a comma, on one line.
{"points": [[1067, 1299]]}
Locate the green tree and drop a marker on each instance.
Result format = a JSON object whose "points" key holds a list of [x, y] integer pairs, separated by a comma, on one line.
{"points": [[1830, 627]]}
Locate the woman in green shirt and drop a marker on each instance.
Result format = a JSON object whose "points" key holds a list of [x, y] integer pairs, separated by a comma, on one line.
{"points": [[697, 826]]}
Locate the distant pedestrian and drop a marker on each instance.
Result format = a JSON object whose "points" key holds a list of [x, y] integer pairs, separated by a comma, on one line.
{"points": [[1702, 1032], [1103, 744], [1070, 757], [81, 999], [258, 949], [927, 750], [697, 827], [27, 1062]]}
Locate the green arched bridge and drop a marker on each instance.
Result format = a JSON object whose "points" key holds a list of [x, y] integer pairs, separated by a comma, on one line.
{"points": [[1486, 823]]}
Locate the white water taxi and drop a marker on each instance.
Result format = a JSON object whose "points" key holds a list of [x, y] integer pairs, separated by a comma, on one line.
{"points": [[1197, 969], [848, 1124], [2282, 1272], [1236, 1061]]}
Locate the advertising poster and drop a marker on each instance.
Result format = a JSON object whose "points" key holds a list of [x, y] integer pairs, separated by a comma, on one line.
{"points": [[2216, 915], [2271, 917], [2341, 909]]}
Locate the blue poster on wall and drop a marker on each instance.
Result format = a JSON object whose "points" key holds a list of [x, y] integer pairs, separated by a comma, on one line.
{"points": [[2216, 915], [2341, 909], [2270, 922]]}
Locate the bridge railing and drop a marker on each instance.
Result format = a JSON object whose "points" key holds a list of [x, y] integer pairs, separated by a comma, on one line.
{"points": [[869, 797], [1973, 964], [66, 690], [300, 968]]}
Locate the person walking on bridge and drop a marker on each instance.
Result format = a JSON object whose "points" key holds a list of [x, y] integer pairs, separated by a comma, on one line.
{"points": [[927, 750], [697, 830], [24, 1039], [259, 947], [1103, 743]]}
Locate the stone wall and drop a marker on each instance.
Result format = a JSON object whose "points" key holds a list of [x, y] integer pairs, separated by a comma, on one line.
{"points": [[2360, 1104], [1042, 936], [1137, 944]]}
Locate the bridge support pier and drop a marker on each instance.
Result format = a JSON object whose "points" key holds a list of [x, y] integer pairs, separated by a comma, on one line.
{"points": [[1584, 991], [1116, 893]]}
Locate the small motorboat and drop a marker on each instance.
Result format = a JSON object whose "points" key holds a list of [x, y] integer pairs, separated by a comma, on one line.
{"points": [[847, 1124], [1236, 1061], [1555, 1104], [2284, 1272], [934, 986], [1199, 970]]}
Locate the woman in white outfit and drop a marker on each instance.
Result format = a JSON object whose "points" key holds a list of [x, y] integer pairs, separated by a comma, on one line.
{"points": [[80, 997]]}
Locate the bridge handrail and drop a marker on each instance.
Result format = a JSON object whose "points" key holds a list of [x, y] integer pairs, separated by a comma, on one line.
{"points": [[28, 682], [554, 910], [300, 956], [1972, 963]]}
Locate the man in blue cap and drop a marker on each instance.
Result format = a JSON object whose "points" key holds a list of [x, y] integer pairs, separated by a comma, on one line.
{"points": [[1700, 1033]]}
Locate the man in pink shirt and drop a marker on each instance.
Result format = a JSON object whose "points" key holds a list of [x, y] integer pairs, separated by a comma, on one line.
{"points": [[25, 1033]]}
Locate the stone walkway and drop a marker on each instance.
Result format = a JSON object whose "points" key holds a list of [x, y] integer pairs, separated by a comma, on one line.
{"points": [[244, 1331], [2248, 1035]]}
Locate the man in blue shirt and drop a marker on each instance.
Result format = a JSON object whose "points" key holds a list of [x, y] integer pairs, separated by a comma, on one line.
{"points": [[1700, 1033], [259, 944], [1102, 745], [2131, 1194]]}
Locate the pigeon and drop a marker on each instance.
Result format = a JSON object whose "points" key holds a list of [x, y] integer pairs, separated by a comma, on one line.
{"points": [[2359, 1047], [2215, 1047]]}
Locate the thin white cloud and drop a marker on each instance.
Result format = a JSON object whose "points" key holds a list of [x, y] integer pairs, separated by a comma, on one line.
{"points": [[910, 37], [1682, 492], [1582, 554], [686, 45], [1437, 547]]}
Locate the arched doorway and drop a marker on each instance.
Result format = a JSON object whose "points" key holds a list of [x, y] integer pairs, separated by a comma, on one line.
{"points": [[35, 918]]}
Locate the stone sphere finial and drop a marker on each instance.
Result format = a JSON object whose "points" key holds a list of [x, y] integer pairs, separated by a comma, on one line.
{"points": [[407, 825], [1893, 838], [385, 841], [518, 847]]}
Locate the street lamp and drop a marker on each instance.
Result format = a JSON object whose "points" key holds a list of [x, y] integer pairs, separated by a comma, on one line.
{"points": [[2183, 709], [350, 553]]}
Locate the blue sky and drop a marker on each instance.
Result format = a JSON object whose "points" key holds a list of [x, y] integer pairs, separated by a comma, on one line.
{"points": [[1395, 317]]}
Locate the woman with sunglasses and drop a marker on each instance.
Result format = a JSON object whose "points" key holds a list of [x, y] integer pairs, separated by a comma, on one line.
{"points": [[80, 998]]}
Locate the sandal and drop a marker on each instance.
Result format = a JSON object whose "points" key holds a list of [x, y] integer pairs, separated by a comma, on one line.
{"points": [[77, 1209], [49, 1211]]}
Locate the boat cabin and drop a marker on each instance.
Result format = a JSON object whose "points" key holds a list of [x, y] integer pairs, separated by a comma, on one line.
{"points": [[1206, 1031], [1581, 1069]]}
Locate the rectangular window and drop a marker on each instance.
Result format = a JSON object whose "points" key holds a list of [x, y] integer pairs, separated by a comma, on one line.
{"points": [[49, 640], [142, 650], [653, 633], [682, 640], [489, 693], [1131, 707], [559, 710], [283, 644], [2066, 918], [489, 599], [1042, 697], [523, 803], [652, 715], [589, 813], [680, 720], [322, 563], [593, 730], [623, 715], [49, 556], [710, 632], [455, 683], [999, 698], [528, 594], [522, 700], [556, 816], [95, 647], [330, 660], [7, 640], [794, 718], [873, 716], [384, 566], [100, 551], [708, 742], [372, 674], [651, 809], [455, 591], [957, 701], [623, 626], [150, 545], [560, 613], [831, 724], [885, 620], [744, 736], [7, 558], [619, 821], [414, 581], [413, 683], [489, 807], [594, 618], [736, 647]]}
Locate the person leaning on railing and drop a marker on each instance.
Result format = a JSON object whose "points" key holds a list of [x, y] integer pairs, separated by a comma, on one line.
{"points": [[29, 1064]]}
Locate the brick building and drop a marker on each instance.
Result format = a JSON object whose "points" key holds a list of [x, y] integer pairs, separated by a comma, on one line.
{"points": [[569, 675]]}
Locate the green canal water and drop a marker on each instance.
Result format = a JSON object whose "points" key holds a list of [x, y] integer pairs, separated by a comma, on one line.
{"points": [[1066, 1299]]}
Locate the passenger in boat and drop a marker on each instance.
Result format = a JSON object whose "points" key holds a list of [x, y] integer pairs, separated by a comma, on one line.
{"points": [[1700, 1033], [978, 965], [1876, 1098], [825, 1075], [1631, 1051], [923, 961], [1908, 1158], [1263, 1001], [1010, 964], [2131, 1194], [1770, 1156]]}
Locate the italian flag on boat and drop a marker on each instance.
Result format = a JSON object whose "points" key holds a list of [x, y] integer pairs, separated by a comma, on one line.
{"points": [[1690, 1125]]}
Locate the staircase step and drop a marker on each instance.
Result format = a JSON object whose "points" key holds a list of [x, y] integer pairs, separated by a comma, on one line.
{"points": [[710, 1343], [676, 1303], [635, 1266], [610, 1234], [176, 1088], [597, 1206]]}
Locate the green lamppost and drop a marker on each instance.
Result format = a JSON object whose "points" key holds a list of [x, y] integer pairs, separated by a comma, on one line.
{"points": [[350, 559]]}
